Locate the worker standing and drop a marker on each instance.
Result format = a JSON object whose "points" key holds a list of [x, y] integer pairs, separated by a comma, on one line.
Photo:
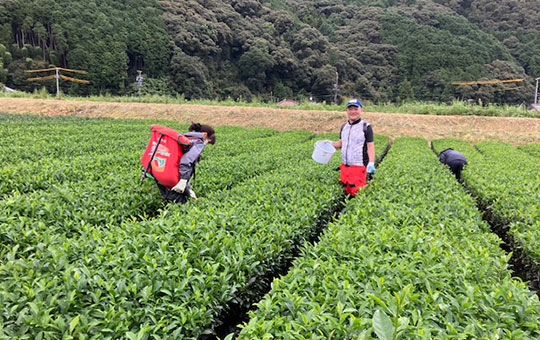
{"points": [[199, 136], [357, 149], [454, 159]]}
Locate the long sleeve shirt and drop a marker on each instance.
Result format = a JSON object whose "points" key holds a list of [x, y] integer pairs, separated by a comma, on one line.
{"points": [[452, 156], [191, 157]]}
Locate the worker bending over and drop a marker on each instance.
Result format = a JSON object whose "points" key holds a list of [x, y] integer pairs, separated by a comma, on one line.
{"points": [[454, 159], [199, 136]]}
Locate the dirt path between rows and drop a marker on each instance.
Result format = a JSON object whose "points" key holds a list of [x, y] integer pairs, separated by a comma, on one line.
{"points": [[470, 128]]}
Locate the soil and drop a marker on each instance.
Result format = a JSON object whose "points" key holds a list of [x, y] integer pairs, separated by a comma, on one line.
{"points": [[470, 128]]}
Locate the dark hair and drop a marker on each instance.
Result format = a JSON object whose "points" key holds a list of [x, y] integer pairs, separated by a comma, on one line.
{"points": [[210, 133]]}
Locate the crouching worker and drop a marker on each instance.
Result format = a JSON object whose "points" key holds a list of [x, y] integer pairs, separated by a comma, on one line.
{"points": [[454, 159], [174, 157], [357, 149]]}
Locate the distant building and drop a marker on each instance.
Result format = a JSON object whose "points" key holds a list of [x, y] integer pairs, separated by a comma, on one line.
{"points": [[287, 102]]}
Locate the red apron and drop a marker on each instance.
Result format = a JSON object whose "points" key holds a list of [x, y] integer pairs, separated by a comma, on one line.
{"points": [[353, 177]]}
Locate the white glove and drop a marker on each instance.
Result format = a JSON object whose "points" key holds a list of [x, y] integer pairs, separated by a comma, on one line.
{"points": [[371, 168], [180, 186], [192, 194]]}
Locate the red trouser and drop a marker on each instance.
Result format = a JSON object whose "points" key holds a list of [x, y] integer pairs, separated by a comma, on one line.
{"points": [[353, 177]]}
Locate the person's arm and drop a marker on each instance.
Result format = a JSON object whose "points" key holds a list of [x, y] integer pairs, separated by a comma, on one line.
{"points": [[189, 159], [338, 144], [187, 166], [370, 143], [371, 152]]}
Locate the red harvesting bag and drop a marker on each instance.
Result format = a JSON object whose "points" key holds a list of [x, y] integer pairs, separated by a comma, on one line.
{"points": [[353, 178], [166, 157]]}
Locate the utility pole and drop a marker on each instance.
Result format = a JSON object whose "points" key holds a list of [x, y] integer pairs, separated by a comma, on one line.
{"points": [[336, 89], [57, 83], [57, 76], [139, 79], [536, 92]]}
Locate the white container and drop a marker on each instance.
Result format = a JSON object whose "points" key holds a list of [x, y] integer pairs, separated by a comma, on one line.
{"points": [[323, 151]]}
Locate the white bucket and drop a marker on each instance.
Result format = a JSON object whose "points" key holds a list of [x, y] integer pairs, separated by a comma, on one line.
{"points": [[323, 151]]}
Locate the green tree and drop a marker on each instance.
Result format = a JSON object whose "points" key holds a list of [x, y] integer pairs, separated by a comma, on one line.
{"points": [[189, 75], [323, 83], [254, 64], [282, 92], [405, 91]]}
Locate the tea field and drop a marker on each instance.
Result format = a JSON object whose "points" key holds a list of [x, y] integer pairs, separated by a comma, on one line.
{"points": [[88, 251]]}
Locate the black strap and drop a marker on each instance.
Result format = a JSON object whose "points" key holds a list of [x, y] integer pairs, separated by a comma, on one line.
{"points": [[194, 173], [151, 158], [341, 130]]}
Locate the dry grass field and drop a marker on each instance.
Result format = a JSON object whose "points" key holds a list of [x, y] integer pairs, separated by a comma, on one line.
{"points": [[470, 128]]}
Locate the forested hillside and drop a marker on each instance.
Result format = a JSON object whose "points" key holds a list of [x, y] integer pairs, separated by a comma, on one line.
{"points": [[386, 50]]}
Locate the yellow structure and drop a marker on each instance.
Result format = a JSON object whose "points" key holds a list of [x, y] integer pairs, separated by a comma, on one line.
{"points": [[494, 81], [57, 76]]}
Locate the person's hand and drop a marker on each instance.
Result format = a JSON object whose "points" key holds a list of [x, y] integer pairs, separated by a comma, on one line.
{"points": [[192, 194], [371, 168], [330, 142], [180, 186]]}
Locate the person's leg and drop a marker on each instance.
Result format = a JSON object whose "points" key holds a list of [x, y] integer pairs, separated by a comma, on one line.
{"points": [[459, 167], [181, 197], [162, 190], [344, 177], [171, 195], [456, 168], [357, 179]]}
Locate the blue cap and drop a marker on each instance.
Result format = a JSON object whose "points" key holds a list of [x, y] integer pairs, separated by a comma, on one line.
{"points": [[354, 102]]}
